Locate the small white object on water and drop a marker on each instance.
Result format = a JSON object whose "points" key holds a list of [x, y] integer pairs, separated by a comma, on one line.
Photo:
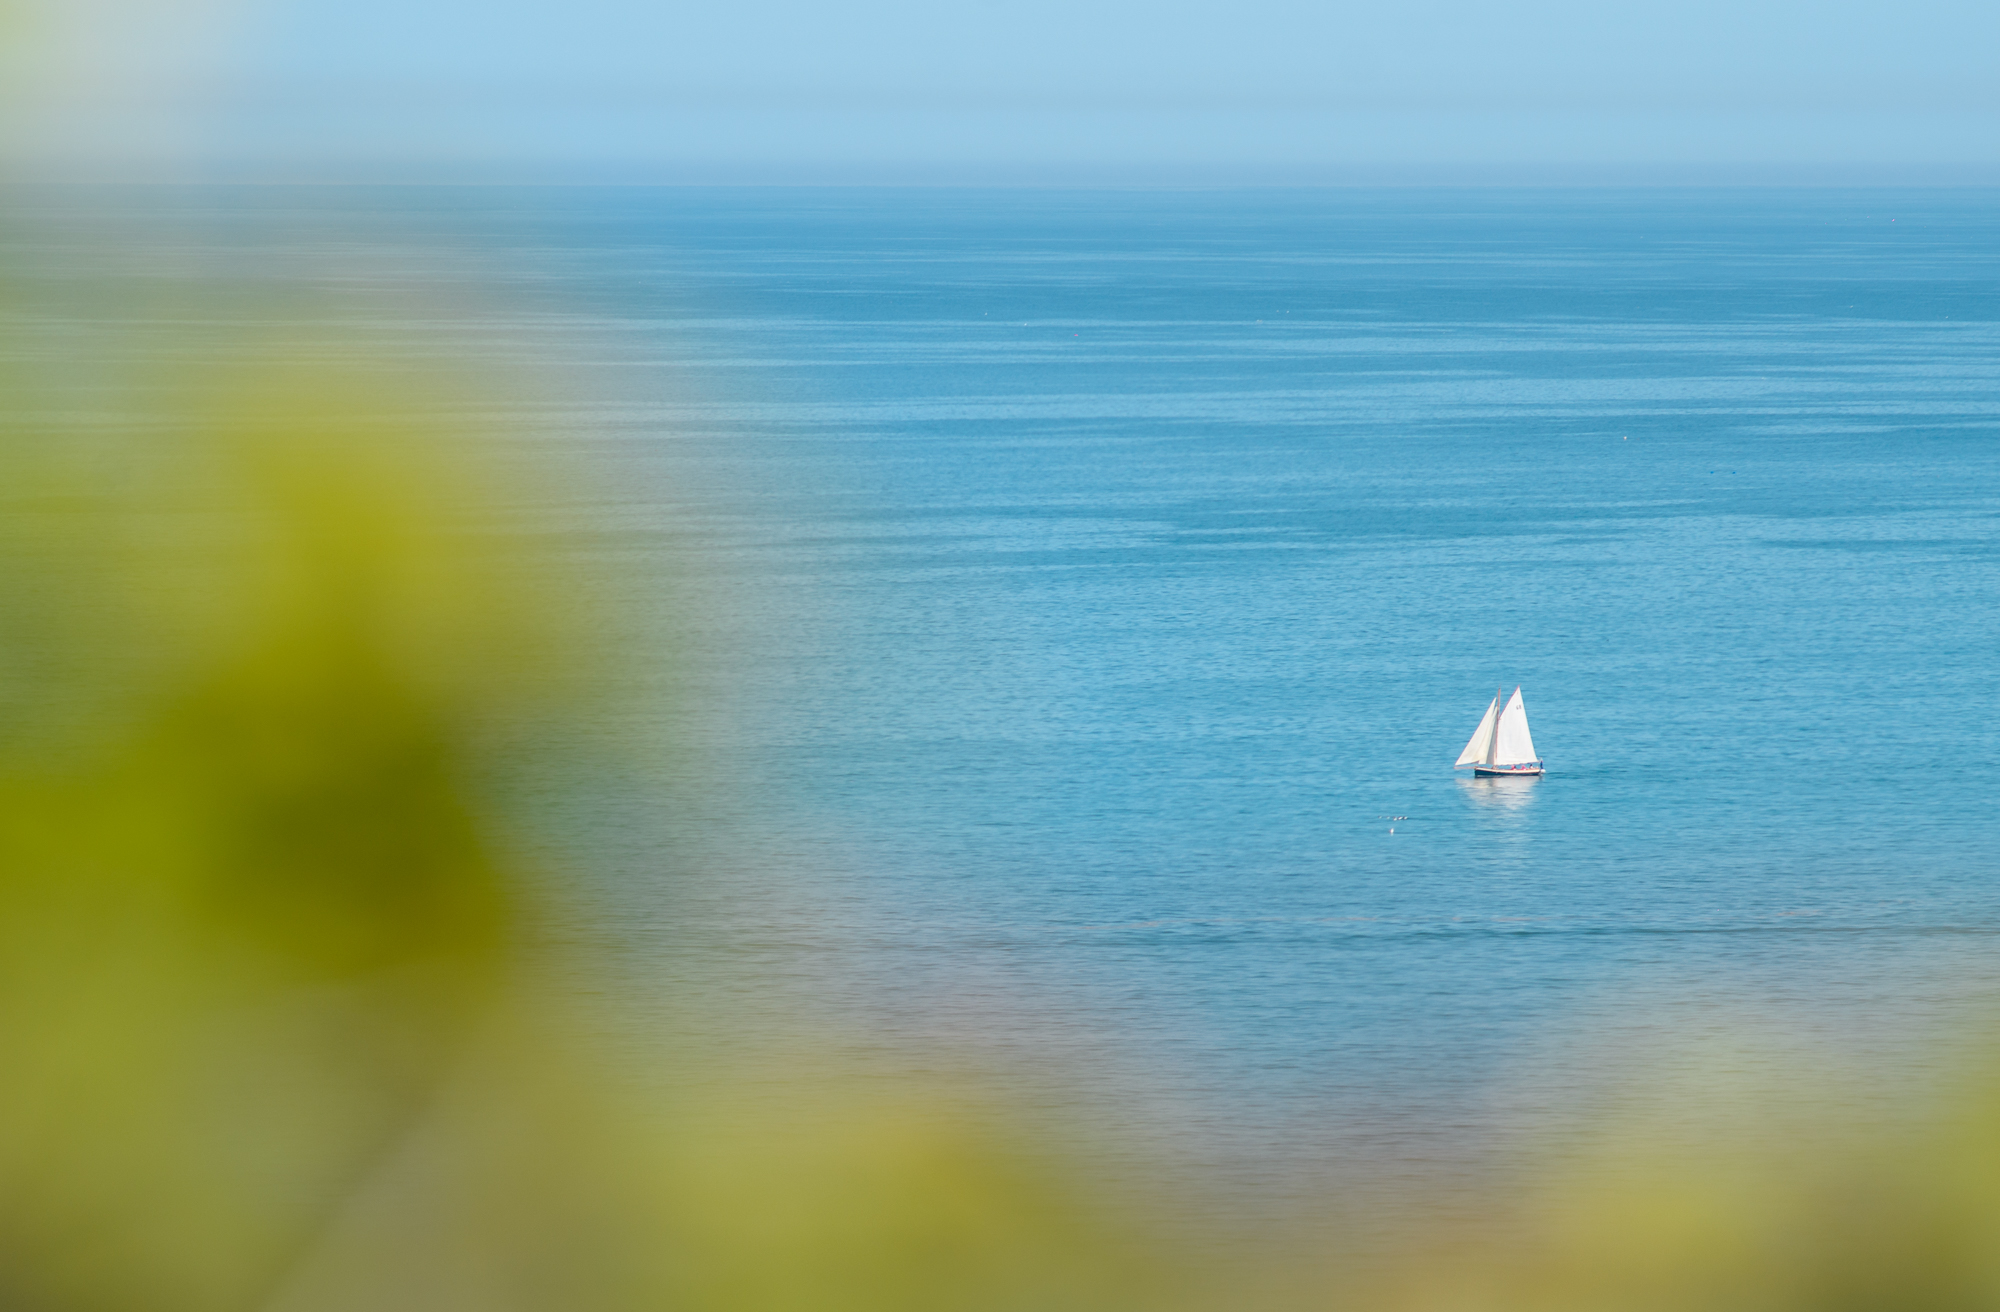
{"points": [[1501, 745]]}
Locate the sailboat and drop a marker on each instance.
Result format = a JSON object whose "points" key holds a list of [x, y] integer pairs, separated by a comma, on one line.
{"points": [[1501, 745]]}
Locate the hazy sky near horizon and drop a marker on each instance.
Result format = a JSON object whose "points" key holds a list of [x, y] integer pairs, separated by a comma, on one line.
{"points": [[1188, 91]]}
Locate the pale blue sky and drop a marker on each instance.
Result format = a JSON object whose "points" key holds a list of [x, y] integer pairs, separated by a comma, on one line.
{"points": [[1188, 91]]}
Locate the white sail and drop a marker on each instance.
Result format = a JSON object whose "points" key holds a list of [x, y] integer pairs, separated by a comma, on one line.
{"points": [[1482, 737], [1514, 746]]}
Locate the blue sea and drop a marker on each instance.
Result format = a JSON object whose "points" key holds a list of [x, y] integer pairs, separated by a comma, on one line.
{"points": [[1057, 613]]}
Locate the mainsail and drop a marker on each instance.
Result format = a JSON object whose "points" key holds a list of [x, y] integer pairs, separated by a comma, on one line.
{"points": [[1514, 747], [1482, 737]]}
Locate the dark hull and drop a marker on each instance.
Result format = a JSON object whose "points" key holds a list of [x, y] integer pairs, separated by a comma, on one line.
{"points": [[1507, 771]]}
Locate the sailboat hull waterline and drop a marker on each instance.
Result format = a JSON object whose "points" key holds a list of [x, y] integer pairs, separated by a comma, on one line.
{"points": [[1501, 747]]}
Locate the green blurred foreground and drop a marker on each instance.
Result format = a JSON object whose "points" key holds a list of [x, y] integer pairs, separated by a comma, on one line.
{"points": [[265, 1040]]}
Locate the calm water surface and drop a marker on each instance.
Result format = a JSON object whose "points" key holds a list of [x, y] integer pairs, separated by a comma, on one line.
{"points": [[1081, 599], [1116, 577]]}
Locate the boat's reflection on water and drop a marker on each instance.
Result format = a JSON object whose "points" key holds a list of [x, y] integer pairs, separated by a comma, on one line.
{"points": [[1503, 793]]}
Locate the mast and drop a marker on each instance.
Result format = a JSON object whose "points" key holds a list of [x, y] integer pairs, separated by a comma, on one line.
{"points": [[1499, 709]]}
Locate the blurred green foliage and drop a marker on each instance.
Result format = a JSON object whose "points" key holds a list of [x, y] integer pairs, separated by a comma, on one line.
{"points": [[270, 1031], [248, 921]]}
